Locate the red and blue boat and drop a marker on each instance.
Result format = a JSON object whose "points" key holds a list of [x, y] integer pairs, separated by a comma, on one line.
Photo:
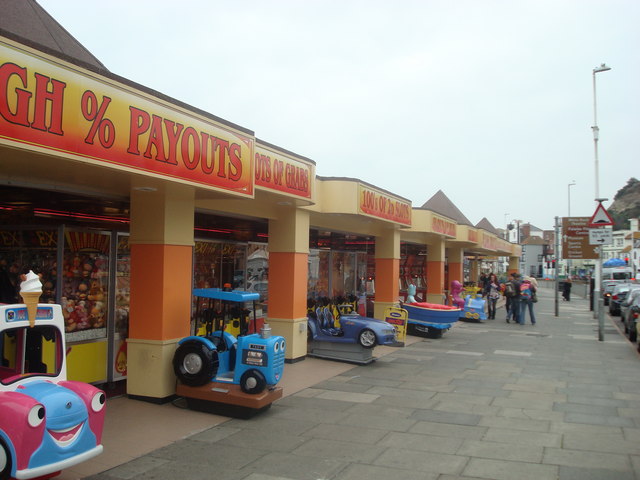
{"points": [[430, 319]]}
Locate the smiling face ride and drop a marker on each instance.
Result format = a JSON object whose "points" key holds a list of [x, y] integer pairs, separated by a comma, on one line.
{"points": [[47, 423]]}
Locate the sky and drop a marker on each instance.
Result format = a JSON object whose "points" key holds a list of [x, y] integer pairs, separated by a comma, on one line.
{"points": [[490, 101]]}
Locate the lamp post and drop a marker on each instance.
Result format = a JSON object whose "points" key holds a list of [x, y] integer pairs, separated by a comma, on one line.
{"points": [[598, 280], [506, 232], [573, 182]]}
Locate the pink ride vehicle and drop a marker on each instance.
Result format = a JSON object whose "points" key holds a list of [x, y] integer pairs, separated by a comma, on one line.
{"points": [[47, 423]]}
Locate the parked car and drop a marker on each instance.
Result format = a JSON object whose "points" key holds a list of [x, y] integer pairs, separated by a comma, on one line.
{"points": [[607, 289], [618, 295], [629, 310]]}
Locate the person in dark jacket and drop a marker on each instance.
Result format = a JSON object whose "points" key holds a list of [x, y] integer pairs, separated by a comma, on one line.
{"points": [[566, 289], [515, 300]]}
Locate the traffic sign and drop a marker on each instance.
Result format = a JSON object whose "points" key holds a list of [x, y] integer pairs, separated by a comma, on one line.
{"points": [[601, 217], [600, 236]]}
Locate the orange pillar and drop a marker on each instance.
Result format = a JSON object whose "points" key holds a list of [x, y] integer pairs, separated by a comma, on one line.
{"points": [[161, 280], [455, 261], [288, 273], [435, 271], [387, 260]]}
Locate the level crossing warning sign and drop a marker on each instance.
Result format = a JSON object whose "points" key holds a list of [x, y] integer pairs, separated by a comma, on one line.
{"points": [[601, 217]]}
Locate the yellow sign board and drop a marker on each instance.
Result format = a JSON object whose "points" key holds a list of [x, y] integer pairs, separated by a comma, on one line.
{"points": [[398, 317]]}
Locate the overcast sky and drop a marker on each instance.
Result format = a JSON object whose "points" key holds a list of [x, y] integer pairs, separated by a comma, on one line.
{"points": [[489, 101]]}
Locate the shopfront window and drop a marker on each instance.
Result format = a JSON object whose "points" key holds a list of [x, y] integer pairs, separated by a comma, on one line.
{"points": [[258, 269], [85, 284], [219, 263], [22, 250]]}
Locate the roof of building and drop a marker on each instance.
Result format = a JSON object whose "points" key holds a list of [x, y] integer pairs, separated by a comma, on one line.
{"points": [[441, 204], [486, 225], [533, 240], [28, 20]]}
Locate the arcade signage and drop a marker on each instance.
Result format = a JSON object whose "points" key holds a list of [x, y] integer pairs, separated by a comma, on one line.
{"points": [[381, 205], [282, 173], [489, 242], [442, 226], [50, 105]]}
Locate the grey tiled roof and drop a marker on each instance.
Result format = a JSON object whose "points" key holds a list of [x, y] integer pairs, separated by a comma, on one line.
{"points": [[441, 204], [27, 20], [486, 225]]}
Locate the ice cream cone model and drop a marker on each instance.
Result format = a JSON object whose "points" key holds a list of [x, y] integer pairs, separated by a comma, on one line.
{"points": [[30, 291]]}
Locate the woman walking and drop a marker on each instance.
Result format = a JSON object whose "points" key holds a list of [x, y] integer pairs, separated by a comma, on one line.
{"points": [[527, 295], [492, 292]]}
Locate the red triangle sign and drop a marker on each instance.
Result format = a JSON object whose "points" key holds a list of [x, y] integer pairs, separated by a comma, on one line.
{"points": [[601, 218]]}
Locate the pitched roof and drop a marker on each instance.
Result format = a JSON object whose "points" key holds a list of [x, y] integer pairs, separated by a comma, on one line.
{"points": [[27, 20], [533, 240], [441, 204], [486, 225]]}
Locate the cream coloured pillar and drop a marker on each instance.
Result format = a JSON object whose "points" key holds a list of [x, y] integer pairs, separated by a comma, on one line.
{"points": [[161, 282], [288, 274]]}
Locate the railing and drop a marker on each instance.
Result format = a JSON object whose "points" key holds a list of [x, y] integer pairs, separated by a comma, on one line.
{"points": [[579, 288]]}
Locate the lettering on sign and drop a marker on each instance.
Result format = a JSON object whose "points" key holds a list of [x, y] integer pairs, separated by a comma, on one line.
{"points": [[278, 172], [575, 239], [378, 204], [445, 227], [63, 110]]}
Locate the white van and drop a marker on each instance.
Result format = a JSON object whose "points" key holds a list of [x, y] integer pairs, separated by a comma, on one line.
{"points": [[617, 273]]}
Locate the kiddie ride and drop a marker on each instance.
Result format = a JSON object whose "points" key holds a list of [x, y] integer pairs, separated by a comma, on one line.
{"points": [[335, 332], [221, 373], [429, 320], [47, 423], [473, 303]]}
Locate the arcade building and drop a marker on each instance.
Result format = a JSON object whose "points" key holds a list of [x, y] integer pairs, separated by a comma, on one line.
{"points": [[125, 200]]}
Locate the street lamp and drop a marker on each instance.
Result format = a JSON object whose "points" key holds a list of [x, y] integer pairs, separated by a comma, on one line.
{"points": [[573, 182], [506, 232], [596, 130], [599, 306]]}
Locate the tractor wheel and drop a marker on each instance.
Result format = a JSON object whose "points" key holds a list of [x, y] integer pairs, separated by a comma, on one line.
{"points": [[252, 382], [194, 364]]}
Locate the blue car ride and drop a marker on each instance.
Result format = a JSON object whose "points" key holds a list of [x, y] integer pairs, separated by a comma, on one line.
{"points": [[354, 328]]}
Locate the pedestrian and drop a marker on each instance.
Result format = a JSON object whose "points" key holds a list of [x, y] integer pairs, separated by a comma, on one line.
{"points": [[510, 294], [566, 289], [527, 299], [492, 293]]}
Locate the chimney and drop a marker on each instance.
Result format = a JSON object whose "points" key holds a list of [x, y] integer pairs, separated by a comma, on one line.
{"points": [[633, 224]]}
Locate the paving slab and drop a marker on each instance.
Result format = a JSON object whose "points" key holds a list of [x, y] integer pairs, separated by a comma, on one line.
{"points": [[487, 401]]}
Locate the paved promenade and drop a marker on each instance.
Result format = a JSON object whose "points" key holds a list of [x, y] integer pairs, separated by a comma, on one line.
{"points": [[487, 401]]}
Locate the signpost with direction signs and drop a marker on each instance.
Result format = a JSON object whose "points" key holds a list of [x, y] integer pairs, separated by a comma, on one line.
{"points": [[600, 236], [575, 239]]}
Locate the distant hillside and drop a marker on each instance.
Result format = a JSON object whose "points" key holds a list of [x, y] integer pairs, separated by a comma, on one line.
{"points": [[626, 204]]}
